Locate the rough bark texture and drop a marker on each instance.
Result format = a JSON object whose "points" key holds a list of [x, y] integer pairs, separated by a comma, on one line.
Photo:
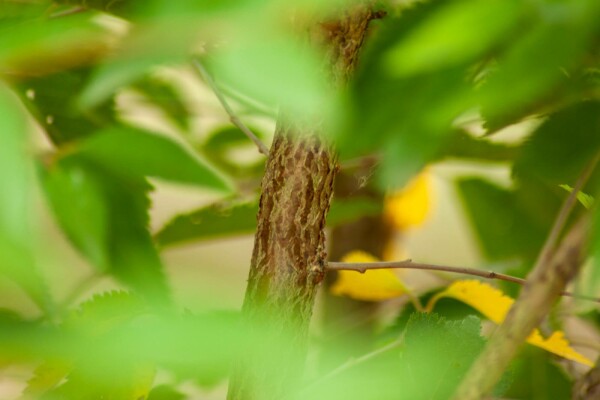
{"points": [[288, 261]]}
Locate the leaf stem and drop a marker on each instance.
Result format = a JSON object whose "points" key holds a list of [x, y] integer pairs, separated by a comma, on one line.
{"points": [[233, 118]]}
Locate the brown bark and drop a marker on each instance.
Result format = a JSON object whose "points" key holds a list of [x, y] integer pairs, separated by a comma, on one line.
{"points": [[288, 261]]}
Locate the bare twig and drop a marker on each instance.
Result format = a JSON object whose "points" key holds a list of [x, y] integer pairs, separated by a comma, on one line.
{"points": [[409, 264], [553, 270], [232, 116]]}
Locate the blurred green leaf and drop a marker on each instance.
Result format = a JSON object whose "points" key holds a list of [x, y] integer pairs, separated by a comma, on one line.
{"points": [[457, 32], [163, 95], [13, 12], [536, 377], [42, 39], [464, 146], [216, 220], [559, 150], [51, 98], [405, 120], [585, 199], [431, 362], [437, 355], [346, 210], [227, 137], [132, 153], [541, 62], [115, 237], [271, 68], [508, 223], [165, 392], [79, 205], [123, 357], [220, 148], [17, 232], [15, 174], [143, 50], [117, 7], [450, 309]]}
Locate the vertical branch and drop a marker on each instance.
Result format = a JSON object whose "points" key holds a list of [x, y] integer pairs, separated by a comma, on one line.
{"points": [[551, 273], [289, 258]]}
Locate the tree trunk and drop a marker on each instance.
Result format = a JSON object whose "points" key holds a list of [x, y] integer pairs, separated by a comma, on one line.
{"points": [[289, 257]]}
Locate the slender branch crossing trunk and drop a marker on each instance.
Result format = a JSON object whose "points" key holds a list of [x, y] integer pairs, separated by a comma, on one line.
{"points": [[288, 262]]}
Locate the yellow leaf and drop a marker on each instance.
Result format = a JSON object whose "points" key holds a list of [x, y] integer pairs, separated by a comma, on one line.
{"points": [[485, 298], [373, 285], [409, 207], [494, 304]]}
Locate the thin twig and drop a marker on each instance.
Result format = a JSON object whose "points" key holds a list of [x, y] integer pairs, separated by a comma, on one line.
{"points": [[232, 116], [409, 264]]}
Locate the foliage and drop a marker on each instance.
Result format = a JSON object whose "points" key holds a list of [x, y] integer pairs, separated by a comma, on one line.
{"points": [[439, 82]]}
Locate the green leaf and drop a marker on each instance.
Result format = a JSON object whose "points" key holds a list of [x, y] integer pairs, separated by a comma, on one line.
{"points": [[228, 137], [132, 254], [221, 146], [559, 150], [165, 392], [45, 378], [346, 210], [78, 203], [50, 99], [216, 220], [114, 236], [269, 69], [132, 153], [21, 44], [406, 120], [437, 355], [162, 94], [17, 229], [118, 7], [540, 63], [457, 32], [508, 223], [585, 199], [432, 360], [464, 146], [141, 52], [535, 376]]}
